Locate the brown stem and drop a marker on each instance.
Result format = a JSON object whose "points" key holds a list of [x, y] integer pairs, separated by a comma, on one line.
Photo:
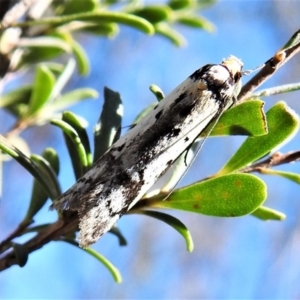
{"points": [[274, 160], [50, 233], [271, 66], [6, 243]]}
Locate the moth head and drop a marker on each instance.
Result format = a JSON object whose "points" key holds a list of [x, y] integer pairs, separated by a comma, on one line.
{"points": [[234, 66]]}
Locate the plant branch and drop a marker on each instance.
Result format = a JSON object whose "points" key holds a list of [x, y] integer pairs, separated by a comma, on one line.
{"points": [[271, 66], [274, 160], [46, 235]]}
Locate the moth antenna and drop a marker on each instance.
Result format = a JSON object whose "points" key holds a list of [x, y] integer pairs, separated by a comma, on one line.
{"points": [[248, 72]]}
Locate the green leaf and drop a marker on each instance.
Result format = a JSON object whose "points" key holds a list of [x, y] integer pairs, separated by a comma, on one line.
{"points": [[293, 41], [116, 231], [247, 118], [109, 122], [43, 48], [42, 87], [282, 124], [75, 6], [36, 55], [156, 90], [83, 63], [44, 42], [174, 36], [180, 4], [75, 147], [288, 175], [153, 13], [111, 268], [144, 112], [109, 30], [54, 67], [266, 213], [63, 79], [20, 95], [173, 222], [48, 164], [195, 21], [71, 98], [47, 170], [80, 127], [21, 253], [227, 196], [27, 163], [48, 173], [279, 89], [98, 17]]}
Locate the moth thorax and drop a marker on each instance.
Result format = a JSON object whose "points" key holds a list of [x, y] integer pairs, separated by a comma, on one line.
{"points": [[234, 66]]}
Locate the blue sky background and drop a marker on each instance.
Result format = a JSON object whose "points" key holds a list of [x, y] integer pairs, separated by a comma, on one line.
{"points": [[233, 258]]}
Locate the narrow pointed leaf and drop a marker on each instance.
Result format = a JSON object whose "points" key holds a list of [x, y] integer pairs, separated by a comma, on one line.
{"points": [[154, 13], [174, 36], [42, 87], [144, 112], [109, 30], [27, 163], [293, 41], [227, 196], [116, 231], [80, 127], [44, 42], [109, 122], [282, 124], [247, 118], [55, 67], [180, 4], [48, 172], [82, 59], [72, 98], [98, 17], [195, 21], [63, 79], [288, 175], [75, 147], [38, 55], [111, 268], [73, 7], [156, 90], [280, 89], [48, 165], [20, 95], [173, 222], [266, 213]]}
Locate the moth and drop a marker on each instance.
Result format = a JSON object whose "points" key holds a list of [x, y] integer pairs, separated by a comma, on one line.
{"points": [[139, 158]]}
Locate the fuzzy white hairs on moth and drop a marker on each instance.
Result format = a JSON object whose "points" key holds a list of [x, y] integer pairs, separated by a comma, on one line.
{"points": [[130, 167]]}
